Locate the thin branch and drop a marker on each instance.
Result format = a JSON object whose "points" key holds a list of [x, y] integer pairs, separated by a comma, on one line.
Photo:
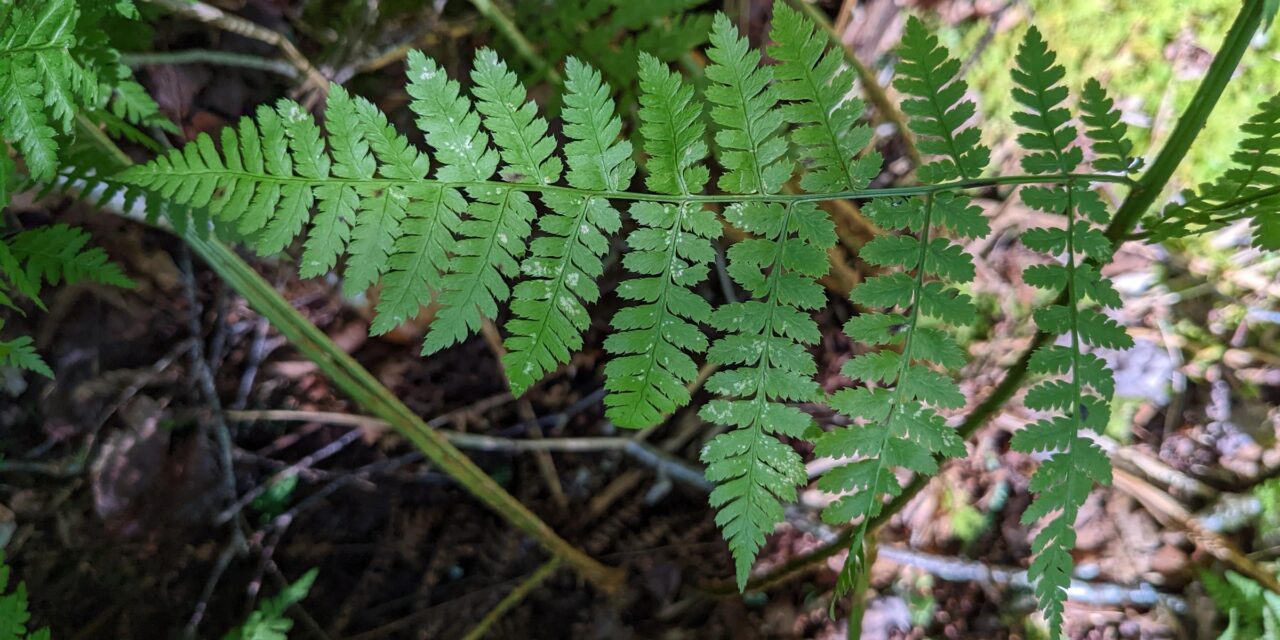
{"points": [[512, 599], [316, 85], [212, 57], [1091, 593], [642, 452]]}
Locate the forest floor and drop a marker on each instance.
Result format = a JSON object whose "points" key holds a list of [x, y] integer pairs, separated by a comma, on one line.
{"points": [[109, 484]]}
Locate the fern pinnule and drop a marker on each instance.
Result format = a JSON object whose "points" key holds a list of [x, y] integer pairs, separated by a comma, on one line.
{"points": [[1104, 126]]}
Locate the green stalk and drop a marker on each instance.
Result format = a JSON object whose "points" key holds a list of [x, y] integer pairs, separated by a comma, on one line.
{"points": [[1139, 199], [366, 391]]}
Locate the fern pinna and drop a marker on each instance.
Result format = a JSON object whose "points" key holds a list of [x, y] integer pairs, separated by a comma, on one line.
{"points": [[501, 213], [1081, 388], [895, 410]]}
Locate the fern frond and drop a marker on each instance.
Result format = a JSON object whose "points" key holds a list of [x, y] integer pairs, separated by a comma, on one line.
{"points": [[1081, 387], [57, 253], [895, 418], [20, 353], [14, 609], [1250, 190], [494, 237], [656, 338], [549, 306], [52, 254], [809, 75]]}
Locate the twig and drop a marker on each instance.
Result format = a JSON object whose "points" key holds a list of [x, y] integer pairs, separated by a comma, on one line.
{"points": [[204, 376], [641, 452], [211, 56], [1091, 593], [77, 462], [219, 567], [546, 466], [306, 462], [315, 84], [257, 352], [512, 599], [1166, 509]]}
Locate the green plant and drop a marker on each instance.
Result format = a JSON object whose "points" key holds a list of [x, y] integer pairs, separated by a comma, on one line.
{"points": [[612, 33], [268, 621], [52, 255], [14, 612], [1252, 611], [56, 63], [461, 230]]}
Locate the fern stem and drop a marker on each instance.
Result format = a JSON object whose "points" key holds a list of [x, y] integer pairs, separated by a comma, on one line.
{"points": [[857, 595], [503, 23], [1191, 123], [213, 57], [1144, 193]]}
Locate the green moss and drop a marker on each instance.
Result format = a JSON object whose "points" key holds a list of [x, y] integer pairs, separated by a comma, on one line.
{"points": [[1128, 45]]}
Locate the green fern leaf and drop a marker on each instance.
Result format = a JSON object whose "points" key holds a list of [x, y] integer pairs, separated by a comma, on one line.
{"points": [[744, 105], [57, 254], [1111, 145], [764, 364], [937, 107], [490, 242], [41, 83], [20, 353], [339, 201]]}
